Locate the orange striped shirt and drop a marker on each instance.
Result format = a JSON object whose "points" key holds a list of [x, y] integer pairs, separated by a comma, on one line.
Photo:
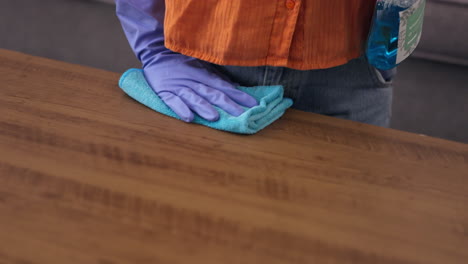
{"points": [[299, 34]]}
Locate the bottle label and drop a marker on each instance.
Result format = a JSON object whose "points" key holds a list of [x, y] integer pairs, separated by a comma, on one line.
{"points": [[411, 22]]}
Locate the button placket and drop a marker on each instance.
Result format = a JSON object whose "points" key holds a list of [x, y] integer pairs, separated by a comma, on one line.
{"points": [[283, 31]]}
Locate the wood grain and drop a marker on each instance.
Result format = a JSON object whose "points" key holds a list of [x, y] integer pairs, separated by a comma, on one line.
{"points": [[87, 175]]}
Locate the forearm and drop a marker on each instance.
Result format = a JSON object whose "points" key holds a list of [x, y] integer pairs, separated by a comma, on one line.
{"points": [[143, 24]]}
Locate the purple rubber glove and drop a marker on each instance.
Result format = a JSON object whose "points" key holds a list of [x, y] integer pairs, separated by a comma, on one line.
{"points": [[187, 85]]}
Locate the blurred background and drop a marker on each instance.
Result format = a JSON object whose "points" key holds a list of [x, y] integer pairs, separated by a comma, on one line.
{"points": [[431, 89]]}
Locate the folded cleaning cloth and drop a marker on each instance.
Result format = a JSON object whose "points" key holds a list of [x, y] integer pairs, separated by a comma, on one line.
{"points": [[271, 106]]}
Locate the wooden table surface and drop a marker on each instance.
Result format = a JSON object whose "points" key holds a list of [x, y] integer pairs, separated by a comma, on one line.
{"points": [[87, 175]]}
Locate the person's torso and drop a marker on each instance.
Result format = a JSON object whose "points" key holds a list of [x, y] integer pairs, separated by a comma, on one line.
{"points": [[300, 34]]}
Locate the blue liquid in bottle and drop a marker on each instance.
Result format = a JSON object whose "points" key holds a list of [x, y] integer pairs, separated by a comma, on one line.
{"points": [[384, 38]]}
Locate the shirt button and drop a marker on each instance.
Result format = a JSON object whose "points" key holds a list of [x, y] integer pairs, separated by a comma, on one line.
{"points": [[290, 4]]}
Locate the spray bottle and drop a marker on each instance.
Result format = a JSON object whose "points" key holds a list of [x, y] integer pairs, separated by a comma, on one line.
{"points": [[395, 32]]}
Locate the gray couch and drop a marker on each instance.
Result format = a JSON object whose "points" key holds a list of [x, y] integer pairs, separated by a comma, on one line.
{"points": [[431, 89], [445, 36]]}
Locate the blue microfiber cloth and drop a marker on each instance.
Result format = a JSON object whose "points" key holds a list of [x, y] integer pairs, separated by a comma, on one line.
{"points": [[271, 106]]}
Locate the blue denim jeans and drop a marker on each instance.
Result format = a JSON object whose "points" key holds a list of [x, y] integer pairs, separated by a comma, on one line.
{"points": [[355, 91]]}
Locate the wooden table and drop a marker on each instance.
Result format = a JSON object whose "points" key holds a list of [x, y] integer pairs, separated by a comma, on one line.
{"points": [[87, 175]]}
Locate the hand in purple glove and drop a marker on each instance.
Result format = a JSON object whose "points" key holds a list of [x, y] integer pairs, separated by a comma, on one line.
{"points": [[187, 85]]}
